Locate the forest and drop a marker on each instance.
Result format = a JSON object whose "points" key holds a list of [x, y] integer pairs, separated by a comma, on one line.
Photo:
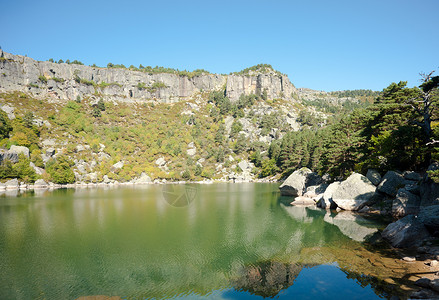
{"points": [[399, 131]]}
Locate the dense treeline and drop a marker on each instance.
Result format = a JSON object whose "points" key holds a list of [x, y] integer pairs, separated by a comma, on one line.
{"points": [[355, 93], [398, 132]]}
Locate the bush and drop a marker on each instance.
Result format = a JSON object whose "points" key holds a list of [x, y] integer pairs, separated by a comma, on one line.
{"points": [[5, 125], [23, 170], [186, 175], [7, 170], [60, 170], [42, 78]]}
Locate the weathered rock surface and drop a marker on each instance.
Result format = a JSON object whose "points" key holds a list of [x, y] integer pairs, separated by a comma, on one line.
{"points": [[410, 175], [326, 202], [352, 193], [115, 84], [142, 179], [40, 183], [12, 184], [406, 232], [429, 216], [303, 201], [373, 176], [19, 150], [405, 203], [429, 193], [297, 182], [391, 183], [9, 110], [7, 155]]}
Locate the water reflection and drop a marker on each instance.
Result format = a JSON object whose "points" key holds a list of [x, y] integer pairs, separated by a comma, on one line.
{"points": [[267, 279], [132, 243]]}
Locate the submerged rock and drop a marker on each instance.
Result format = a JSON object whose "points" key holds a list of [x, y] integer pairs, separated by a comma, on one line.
{"points": [[352, 193]]}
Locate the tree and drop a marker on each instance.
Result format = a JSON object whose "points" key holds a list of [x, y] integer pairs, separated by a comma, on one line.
{"points": [[425, 104]]}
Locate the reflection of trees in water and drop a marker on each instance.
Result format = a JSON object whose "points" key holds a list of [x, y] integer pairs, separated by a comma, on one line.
{"points": [[380, 287], [267, 279]]}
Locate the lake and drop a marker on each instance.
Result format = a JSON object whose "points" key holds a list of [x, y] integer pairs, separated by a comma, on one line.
{"points": [[218, 241]]}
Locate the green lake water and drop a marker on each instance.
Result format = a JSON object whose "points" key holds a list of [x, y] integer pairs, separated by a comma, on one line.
{"points": [[218, 241]]}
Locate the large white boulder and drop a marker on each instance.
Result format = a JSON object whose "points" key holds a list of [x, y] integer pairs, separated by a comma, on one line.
{"points": [[352, 193]]}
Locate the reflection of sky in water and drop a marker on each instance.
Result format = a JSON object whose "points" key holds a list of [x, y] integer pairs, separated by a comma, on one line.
{"points": [[131, 242], [319, 282]]}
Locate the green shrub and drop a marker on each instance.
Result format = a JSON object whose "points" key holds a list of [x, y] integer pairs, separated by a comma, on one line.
{"points": [[23, 170], [60, 170], [5, 125], [42, 78]]}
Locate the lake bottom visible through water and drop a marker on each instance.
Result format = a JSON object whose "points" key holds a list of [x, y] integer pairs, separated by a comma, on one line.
{"points": [[217, 241]]}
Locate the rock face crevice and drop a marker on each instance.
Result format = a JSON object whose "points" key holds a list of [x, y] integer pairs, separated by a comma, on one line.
{"points": [[63, 81]]}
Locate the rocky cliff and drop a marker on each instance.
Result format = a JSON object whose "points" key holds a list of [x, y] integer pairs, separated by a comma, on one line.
{"points": [[44, 79]]}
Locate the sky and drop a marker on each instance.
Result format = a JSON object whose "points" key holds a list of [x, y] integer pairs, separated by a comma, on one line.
{"points": [[320, 44]]}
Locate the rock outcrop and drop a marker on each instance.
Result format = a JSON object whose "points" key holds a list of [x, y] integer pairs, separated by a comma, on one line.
{"points": [[391, 183], [406, 232], [352, 193], [61, 81], [298, 181]]}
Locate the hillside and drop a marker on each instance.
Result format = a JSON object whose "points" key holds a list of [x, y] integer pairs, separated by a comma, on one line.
{"points": [[119, 125]]}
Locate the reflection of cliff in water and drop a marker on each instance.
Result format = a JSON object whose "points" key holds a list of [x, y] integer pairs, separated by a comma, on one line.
{"points": [[267, 279]]}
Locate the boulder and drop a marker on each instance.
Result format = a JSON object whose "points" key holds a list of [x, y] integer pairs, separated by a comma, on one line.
{"points": [[297, 182], [391, 183], [142, 179], [50, 152], [7, 155], [373, 176], [19, 149], [9, 110], [38, 170], [413, 176], [315, 190], [429, 192], [405, 203], [40, 183], [434, 285], [160, 161], [406, 232], [191, 149], [117, 166], [303, 201], [429, 216], [326, 202], [12, 184], [352, 193], [246, 166]]}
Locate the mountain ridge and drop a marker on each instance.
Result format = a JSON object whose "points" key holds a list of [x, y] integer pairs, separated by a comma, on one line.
{"points": [[62, 81]]}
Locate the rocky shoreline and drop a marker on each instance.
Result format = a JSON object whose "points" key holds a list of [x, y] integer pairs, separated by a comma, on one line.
{"points": [[410, 198], [15, 184]]}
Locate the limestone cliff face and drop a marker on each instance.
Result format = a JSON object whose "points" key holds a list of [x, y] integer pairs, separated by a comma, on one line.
{"points": [[68, 81]]}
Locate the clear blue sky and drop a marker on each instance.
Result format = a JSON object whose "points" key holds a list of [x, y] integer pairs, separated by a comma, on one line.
{"points": [[319, 44]]}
